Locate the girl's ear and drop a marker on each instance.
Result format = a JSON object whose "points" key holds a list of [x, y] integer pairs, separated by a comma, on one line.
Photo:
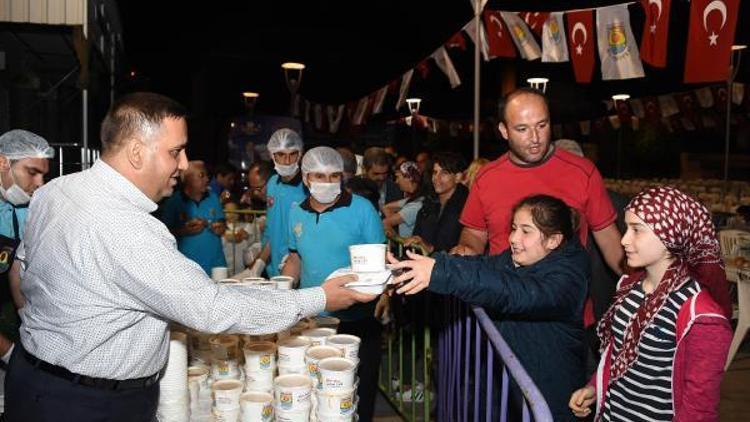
{"points": [[554, 241]]}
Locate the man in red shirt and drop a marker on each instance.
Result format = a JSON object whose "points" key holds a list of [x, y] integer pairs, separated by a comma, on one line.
{"points": [[534, 166]]}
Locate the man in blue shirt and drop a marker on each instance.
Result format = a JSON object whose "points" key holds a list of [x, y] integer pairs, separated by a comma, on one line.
{"points": [[321, 229], [225, 176], [195, 216], [283, 190]]}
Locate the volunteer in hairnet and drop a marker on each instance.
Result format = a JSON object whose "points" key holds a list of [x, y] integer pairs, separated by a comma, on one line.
{"points": [[283, 189], [24, 161], [321, 229]]}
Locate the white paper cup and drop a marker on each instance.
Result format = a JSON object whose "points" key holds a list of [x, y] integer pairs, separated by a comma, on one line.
{"points": [[224, 369], [218, 273], [225, 347], [297, 369], [336, 374], [292, 351], [347, 343], [262, 337], [318, 336], [292, 392], [322, 321], [226, 394], [317, 353], [257, 406], [199, 374], [259, 356], [367, 257], [283, 282], [335, 403], [283, 415], [259, 381], [226, 415], [321, 417]]}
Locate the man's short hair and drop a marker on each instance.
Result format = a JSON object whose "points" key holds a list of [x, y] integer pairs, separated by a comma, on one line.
{"points": [[350, 160], [264, 169], [450, 161], [139, 114], [375, 156], [223, 169], [515, 93]]}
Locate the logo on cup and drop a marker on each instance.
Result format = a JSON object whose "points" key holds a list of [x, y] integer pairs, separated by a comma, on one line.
{"points": [[286, 400], [265, 361], [267, 412], [346, 405], [312, 369]]}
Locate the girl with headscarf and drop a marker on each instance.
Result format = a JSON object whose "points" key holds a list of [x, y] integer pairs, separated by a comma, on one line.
{"points": [[665, 338], [403, 213]]}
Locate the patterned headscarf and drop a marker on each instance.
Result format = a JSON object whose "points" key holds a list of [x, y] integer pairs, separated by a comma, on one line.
{"points": [[410, 170], [685, 228]]}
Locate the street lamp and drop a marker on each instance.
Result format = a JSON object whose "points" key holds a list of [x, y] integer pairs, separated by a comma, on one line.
{"points": [[250, 98], [414, 104], [293, 77], [619, 98], [539, 84], [734, 67]]}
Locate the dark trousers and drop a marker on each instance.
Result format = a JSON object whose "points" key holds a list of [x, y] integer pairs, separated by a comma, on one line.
{"points": [[369, 330], [33, 395]]}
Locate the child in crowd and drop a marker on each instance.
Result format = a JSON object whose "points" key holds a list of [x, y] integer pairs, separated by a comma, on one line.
{"points": [[665, 338], [403, 213], [535, 289]]}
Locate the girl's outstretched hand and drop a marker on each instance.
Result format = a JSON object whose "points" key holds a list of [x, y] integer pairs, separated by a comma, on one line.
{"points": [[416, 271]]}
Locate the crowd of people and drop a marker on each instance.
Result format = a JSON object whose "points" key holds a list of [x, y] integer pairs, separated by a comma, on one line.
{"points": [[533, 236]]}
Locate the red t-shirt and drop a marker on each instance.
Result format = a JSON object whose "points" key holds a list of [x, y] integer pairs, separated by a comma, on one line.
{"points": [[501, 184]]}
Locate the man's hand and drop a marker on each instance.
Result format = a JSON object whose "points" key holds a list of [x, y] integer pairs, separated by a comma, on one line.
{"points": [[339, 297], [383, 307], [417, 270], [219, 227], [581, 401], [193, 226], [463, 250]]}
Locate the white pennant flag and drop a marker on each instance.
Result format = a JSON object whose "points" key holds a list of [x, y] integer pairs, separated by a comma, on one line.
{"points": [[482, 3], [359, 112], [443, 61], [705, 97], [554, 45], [738, 92], [318, 116], [522, 37], [405, 82], [618, 49], [668, 105], [637, 106], [483, 46], [378, 99], [334, 117]]}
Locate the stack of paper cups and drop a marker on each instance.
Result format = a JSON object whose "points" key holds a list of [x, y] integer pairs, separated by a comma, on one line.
{"points": [[335, 405], [256, 406], [314, 355], [318, 335], [173, 396], [292, 397], [292, 355], [260, 365], [200, 393], [347, 343], [225, 347], [226, 395]]}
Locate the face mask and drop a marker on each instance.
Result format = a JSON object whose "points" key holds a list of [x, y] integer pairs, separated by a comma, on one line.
{"points": [[325, 193], [14, 194], [286, 170]]}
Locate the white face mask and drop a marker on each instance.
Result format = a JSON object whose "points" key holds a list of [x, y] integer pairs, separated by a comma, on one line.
{"points": [[285, 170], [14, 194], [325, 193]]}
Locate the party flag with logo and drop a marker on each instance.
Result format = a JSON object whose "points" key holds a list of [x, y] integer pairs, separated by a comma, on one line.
{"points": [[522, 37], [618, 50], [554, 47]]}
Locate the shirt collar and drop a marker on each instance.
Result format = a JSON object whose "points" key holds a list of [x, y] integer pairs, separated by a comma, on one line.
{"points": [[296, 180], [123, 186], [345, 199]]}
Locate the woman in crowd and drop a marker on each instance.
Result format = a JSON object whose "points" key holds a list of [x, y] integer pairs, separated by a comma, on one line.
{"points": [[664, 339], [473, 170], [403, 213], [536, 288]]}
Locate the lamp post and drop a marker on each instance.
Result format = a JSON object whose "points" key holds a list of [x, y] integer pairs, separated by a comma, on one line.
{"points": [[293, 77], [250, 98], [539, 84], [619, 98], [414, 104], [734, 67]]}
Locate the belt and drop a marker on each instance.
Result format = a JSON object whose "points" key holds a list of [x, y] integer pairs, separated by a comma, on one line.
{"points": [[100, 383]]}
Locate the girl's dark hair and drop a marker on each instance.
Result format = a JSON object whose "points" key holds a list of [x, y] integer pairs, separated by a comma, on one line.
{"points": [[551, 215]]}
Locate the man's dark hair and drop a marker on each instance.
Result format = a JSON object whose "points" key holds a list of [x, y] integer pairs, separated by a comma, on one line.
{"points": [[366, 188], [137, 115], [350, 160], [375, 156], [450, 161], [264, 169], [223, 169], [515, 93]]}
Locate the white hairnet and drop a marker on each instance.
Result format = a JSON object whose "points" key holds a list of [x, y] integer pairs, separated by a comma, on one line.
{"points": [[18, 144], [283, 140], [322, 160]]}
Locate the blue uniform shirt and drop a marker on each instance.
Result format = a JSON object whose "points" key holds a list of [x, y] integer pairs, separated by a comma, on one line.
{"points": [[322, 241], [205, 247], [281, 197], [6, 219]]}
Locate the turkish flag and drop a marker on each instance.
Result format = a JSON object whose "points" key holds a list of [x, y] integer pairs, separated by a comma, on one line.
{"points": [[535, 21], [655, 32], [710, 39], [456, 41], [498, 37], [581, 40]]}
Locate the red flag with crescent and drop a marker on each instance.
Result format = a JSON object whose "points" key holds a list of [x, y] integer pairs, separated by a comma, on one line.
{"points": [[710, 39], [581, 40], [535, 21], [655, 32], [498, 37]]}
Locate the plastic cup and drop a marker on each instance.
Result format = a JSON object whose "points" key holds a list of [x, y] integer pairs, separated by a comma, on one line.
{"points": [[367, 257], [283, 282], [336, 374], [318, 336], [317, 353], [259, 356], [227, 394], [291, 351], [335, 403], [347, 343], [199, 374], [218, 273], [256, 406], [292, 392]]}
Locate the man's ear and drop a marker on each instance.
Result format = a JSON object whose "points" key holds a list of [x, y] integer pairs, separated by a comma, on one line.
{"points": [[135, 151], [503, 129], [4, 163], [554, 241]]}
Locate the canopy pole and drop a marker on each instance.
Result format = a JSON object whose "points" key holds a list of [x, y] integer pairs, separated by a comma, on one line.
{"points": [[477, 81]]}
